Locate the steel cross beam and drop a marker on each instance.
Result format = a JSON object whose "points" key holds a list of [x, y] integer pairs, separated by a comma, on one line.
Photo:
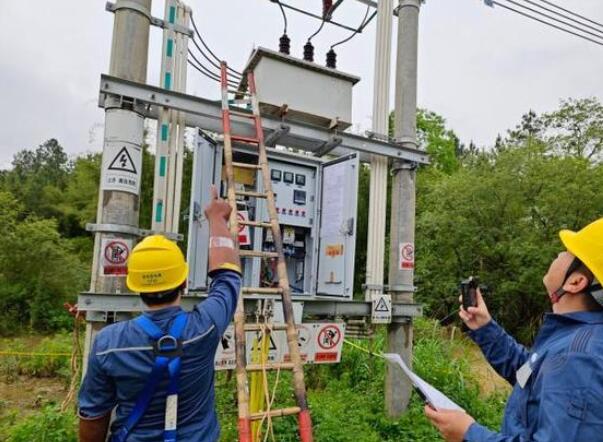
{"points": [[99, 306], [206, 114]]}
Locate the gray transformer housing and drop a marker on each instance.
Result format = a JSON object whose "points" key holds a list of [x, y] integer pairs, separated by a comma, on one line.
{"points": [[316, 201], [313, 94]]}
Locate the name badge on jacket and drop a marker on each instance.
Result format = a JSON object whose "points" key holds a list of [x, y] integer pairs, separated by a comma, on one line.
{"points": [[525, 371]]}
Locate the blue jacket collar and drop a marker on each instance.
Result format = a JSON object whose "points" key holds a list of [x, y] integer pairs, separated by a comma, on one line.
{"points": [[584, 317], [164, 313]]}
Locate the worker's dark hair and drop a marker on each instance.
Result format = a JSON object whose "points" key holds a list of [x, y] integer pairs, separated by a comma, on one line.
{"points": [[158, 298]]}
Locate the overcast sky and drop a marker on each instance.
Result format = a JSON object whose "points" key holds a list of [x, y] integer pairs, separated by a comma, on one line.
{"points": [[480, 68]]}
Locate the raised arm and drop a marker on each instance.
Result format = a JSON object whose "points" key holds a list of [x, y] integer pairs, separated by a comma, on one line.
{"points": [[501, 350], [224, 265]]}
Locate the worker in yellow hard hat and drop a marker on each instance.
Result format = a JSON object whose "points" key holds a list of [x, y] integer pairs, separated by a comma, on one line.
{"points": [[156, 372], [558, 383]]}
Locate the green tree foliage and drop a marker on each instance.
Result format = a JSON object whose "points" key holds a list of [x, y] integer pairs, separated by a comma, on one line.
{"points": [[39, 270], [441, 143], [498, 215]]}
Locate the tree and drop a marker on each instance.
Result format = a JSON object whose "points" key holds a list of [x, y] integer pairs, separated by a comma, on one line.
{"points": [[39, 177], [576, 128], [442, 144], [39, 270], [498, 218]]}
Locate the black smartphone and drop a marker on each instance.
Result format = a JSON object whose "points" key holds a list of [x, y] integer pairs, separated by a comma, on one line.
{"points": [[469, 292]]}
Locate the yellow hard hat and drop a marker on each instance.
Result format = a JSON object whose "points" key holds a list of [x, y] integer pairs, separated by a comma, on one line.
{"points": [[587, 246], [156, 264]]}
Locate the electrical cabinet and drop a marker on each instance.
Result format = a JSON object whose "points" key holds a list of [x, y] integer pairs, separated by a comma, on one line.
{"points": [[316, 202]]}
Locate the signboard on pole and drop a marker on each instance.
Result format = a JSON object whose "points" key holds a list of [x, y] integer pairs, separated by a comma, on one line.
{"points": [[407, 256], [244, 235], [318, 343], [122, 162], [329, 342], [115, 253], [381, 309]]}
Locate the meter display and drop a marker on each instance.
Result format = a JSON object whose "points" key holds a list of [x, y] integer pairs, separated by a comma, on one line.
{"points": [[288, 177], [275, 175], [300, 180]]}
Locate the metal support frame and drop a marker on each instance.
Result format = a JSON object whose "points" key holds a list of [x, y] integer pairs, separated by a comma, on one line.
{"points": [[328, 146], [112, 7], [103, 305], [206, 114], [130, 230], [275, 136]]}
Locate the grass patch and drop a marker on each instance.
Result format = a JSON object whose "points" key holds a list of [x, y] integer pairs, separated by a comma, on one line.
{"points": [[37, 366]]}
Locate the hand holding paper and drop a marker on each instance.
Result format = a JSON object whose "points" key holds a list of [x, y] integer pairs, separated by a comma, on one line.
{"points": [[431, 395]]}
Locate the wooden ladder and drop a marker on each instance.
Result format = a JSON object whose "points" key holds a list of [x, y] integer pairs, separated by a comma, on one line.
{"points": [[296, 363]]}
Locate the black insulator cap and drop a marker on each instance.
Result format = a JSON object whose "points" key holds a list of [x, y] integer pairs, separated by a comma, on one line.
{"points": [[284, 45], [332, 59], [308, 52]]}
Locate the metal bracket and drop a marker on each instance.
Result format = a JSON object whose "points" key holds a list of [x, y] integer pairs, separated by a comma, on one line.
{"points": [[96, 305], [127, 4], [402, 288], [130, 230], [328, 146], [273, 138]]}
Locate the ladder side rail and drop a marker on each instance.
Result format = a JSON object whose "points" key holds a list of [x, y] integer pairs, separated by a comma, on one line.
{"points": [[244, 424], [305, 426]]}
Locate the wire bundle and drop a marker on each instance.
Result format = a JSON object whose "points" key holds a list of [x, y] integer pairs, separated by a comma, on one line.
{"points": [[555, 16], [212, 58]]}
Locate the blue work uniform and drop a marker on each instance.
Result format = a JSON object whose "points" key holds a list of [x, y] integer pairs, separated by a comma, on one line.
{"points": [[557, 386], [122, 357]]}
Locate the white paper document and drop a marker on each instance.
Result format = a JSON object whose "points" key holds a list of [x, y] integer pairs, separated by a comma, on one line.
{"points": [[432, 396]]}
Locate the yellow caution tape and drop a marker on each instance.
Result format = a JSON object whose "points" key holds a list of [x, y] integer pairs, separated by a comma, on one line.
{"points": [[19, 353], [359, 347]]}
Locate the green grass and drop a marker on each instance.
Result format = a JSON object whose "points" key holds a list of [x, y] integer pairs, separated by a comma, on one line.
{"points": [[346, 399], [39, 365]]}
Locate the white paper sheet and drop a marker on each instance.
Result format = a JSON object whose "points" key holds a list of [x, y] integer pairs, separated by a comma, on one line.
{"points": [[433, 396], [333, 199]]}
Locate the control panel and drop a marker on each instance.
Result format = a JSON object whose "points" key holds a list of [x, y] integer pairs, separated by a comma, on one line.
{"points": [[295, 190], [315, 201]]}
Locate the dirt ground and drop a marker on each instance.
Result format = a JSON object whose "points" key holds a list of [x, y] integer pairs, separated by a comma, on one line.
{"points": [[24, 395]]}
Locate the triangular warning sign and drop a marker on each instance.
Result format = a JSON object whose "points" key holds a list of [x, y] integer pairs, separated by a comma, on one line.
{"points": [[272, 343], [381, 306], [123, 161]]}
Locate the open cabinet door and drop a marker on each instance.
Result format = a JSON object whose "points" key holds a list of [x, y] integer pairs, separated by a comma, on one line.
{"points": [[207, 168], [337, 233]]}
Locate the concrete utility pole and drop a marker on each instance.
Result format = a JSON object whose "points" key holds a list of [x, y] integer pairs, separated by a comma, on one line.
{"points": [[378, 182], [118, 203], [401, 271]]}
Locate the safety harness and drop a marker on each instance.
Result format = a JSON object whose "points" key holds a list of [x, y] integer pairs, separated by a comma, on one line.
{"points": [[167, 349]]}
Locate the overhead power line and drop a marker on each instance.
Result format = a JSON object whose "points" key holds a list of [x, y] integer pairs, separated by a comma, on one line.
{"points": [[204, 70], [573, 13], [364, 22], [584, 37], [568, 17], [280, 5], [598, 34], [208, 49], [318, 17]]}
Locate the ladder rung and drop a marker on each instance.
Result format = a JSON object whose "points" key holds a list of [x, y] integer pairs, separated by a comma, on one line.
{"points": [[255, 254], [255, 224], [242, 139], [271, 366], [243, 93], [275, 413], [251, 194], [263, 290], [246, 165], [261, 327], [242, 114]]}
